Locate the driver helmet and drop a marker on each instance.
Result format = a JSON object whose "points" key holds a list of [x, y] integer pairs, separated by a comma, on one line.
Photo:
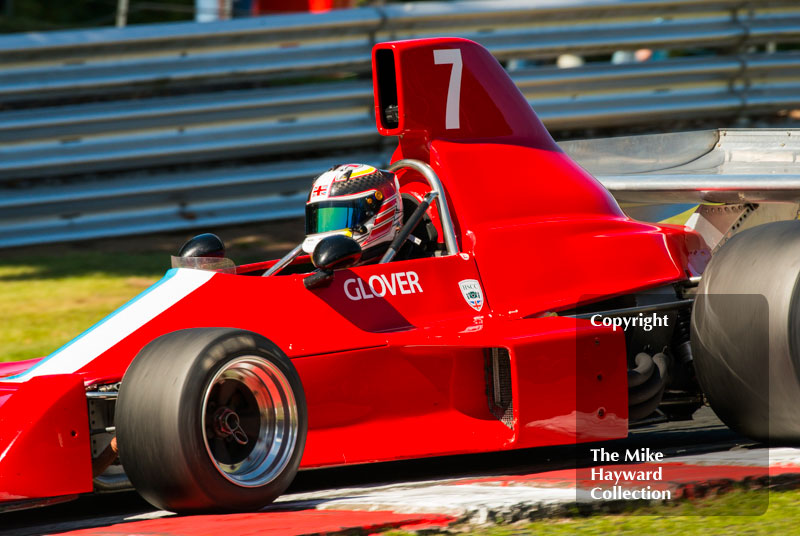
{"points": [[355, 200]]}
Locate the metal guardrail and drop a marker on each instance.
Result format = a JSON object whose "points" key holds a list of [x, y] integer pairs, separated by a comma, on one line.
{"points": [[118, 131]]}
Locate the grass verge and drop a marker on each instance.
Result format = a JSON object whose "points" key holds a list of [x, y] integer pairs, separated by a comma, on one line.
{"points": [[717, 515]]}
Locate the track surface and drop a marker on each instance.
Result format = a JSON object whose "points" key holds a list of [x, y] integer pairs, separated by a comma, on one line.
{"points": [[705, 433]]}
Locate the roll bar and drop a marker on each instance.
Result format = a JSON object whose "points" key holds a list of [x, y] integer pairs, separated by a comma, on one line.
{"points": [[441, 203]]}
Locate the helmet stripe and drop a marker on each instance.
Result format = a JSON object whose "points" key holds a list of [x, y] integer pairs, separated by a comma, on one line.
{"points": [[383, 218], [379, 225]]}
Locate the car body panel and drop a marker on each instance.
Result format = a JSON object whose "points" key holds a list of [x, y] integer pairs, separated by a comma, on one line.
{"points": [[44, 438], [425, 393], [17, 367]]}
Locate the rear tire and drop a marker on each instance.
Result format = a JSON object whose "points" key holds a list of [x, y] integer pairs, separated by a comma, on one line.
{"points": [[211, 419], [746, 332]]}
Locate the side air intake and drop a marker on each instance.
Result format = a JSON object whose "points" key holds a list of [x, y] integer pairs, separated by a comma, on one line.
{"points": [[387, 112], [498, 385]]}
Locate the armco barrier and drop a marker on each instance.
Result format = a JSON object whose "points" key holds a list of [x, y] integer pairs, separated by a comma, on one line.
{"points": [[117, 131]]}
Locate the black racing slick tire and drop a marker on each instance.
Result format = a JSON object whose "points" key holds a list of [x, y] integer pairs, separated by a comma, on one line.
{"points": [[211, 419], [746, 332]]}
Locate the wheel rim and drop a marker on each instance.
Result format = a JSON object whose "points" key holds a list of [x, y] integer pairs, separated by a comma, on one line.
{"points": [[250, 423]]}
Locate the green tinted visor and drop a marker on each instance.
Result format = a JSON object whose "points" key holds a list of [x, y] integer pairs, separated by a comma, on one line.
{"points": [[328, 216]]}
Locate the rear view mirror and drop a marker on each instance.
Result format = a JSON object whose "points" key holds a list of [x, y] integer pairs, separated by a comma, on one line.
{"points": [[332, 253], [336, 252], [204, 245]]}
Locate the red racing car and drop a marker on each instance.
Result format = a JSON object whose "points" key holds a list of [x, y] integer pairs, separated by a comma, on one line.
{"points": [[535, 313]]}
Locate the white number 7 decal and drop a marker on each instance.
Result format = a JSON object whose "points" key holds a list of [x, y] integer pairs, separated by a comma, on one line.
{"points": [[453, 57]]}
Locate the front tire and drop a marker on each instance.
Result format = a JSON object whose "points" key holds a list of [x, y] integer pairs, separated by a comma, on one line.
{"points": [[211, 419]]}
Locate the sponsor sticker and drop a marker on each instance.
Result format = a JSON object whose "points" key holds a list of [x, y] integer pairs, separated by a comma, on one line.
{"points": [[472, 292]]}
